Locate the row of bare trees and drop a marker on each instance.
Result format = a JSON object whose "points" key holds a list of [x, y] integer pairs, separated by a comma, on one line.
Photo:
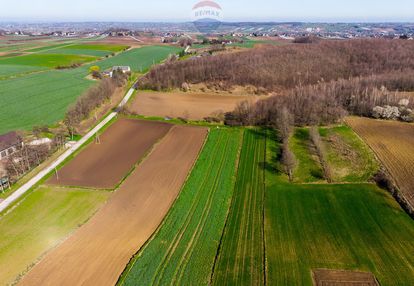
{"points": [[327, 102], [317, 143], [91, 99], [283, 67], [284, 122], [29, 156]]}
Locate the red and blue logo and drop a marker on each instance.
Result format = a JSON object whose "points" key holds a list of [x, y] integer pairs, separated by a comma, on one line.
{"points": [[207, 15]]}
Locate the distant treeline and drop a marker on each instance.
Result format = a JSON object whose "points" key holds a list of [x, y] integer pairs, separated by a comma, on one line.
{"points": [[318, 82], [278, 67]]}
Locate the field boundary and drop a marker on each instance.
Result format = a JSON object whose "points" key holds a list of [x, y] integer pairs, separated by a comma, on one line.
{"points": [[132, 260], [395, 191], [228, 213], [42, 174]]}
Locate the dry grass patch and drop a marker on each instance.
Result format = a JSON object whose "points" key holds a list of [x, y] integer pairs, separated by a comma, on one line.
{"points": [[191, 105], [326, 277]]}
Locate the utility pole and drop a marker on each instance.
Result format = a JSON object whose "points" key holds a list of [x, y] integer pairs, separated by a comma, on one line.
{"points": [[97, 139]]}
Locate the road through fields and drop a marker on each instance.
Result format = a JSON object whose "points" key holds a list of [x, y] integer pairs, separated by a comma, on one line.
{"points": [[100, 250], [36, 179]]}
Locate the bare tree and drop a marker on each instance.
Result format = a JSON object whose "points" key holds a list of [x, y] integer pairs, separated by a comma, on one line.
{"points": [[317, 142], [288, 160]]}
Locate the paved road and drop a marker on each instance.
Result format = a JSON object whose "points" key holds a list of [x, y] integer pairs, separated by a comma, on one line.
{"points": [[27, 186]]}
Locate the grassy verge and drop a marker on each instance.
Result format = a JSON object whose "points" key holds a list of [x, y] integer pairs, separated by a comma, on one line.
{"points": [[308, 169], [40, 222], [183, 249], [31, 174], [241, 257], [349, 157]]}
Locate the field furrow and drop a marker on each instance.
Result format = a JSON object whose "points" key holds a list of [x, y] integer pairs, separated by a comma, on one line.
{"points": [[182, 251], [241, 257]]}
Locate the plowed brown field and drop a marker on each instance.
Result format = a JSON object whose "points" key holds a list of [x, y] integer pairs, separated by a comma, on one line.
{"points": [[193, 106], [99, 251], [104, 165], [393, 142], [325, 277]]}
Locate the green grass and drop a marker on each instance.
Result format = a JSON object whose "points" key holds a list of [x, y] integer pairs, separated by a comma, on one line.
{"points": [[87, 49], [43, 219], [183, 250], [139, 59], [241, 257], [48, 47], [66, 51], [46, 60], [10, 70], [349, 157], [38, 99], [334, 226], [353, 227], [43, 98], [97, 47], [308, 168]]}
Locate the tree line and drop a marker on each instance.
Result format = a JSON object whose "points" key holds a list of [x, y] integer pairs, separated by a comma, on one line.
{"points": [[328, 102], [276, 68], [91, 99]]}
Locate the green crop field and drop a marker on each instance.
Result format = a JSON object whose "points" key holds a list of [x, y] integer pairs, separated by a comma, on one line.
{"points": [[139, 59], [46, 60], [353, 227], [183, 250], [67, 51], [7, 71], [43, 98], [97, 47], [345, 226], [42, 220], [38, 99], [241, 257], [86, 49]]}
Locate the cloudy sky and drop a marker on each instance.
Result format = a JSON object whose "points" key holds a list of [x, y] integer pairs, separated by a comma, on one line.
{"points": [[234, 10]]}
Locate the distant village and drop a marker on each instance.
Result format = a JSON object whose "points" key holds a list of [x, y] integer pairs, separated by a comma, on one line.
{"points": [[174, 30]]}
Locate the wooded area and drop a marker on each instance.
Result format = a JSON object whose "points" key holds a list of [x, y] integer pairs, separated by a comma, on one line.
{"points": [[318, 82]]}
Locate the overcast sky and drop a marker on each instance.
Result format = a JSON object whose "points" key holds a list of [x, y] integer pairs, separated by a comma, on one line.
{"points": [[233, 10]]}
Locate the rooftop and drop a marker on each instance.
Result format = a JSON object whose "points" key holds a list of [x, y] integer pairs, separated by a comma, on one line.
{"points": [[9, 139]]}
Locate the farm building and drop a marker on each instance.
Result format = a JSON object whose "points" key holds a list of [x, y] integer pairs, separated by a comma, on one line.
{"points": [[9, 144], [124, 69]]}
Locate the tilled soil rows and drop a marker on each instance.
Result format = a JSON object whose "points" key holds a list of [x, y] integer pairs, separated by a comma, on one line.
{"points": [[104, 163], [393, 142], [99, 251]]}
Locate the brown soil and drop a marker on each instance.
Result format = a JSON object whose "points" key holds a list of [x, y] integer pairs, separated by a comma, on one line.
{"points": [[194, 106], [325, 277], [104, 165], [101, 111], [393, 143], [99, 251]]}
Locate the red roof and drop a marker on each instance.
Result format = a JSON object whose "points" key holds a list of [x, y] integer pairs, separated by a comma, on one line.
{"points": [[207, 3]]}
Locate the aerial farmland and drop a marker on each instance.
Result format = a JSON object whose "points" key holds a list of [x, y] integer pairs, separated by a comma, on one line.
{"points": [[205, 152]]}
